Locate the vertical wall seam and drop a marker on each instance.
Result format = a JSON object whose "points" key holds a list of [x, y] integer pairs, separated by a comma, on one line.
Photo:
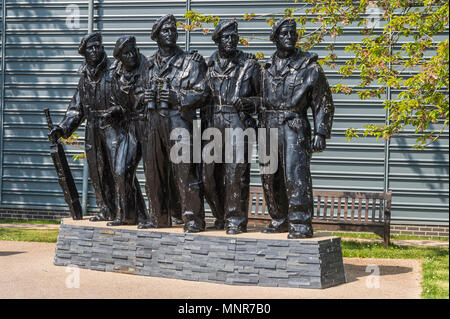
{"points": [[187, 41], [2, 98], [85, 191]]}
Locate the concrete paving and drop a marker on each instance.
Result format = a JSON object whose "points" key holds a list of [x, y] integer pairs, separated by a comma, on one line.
{"points": [[27, 271]]}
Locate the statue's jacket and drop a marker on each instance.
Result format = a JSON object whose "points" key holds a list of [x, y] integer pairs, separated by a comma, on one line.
{"points": [[186, 77], [125, 150], [227, 185], [287, 94], [89, 102], [300, 85], [239, 78]]}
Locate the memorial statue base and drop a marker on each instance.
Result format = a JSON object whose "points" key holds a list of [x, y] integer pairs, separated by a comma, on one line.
{"points": [[250, 258]]}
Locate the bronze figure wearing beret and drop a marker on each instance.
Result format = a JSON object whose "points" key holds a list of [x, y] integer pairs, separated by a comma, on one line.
{"points": [[233, 77], [123, 120], [175, 87], [293, 82], [90, 101]]}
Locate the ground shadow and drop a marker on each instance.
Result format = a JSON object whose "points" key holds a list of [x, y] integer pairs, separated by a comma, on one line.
{"points": [[354, 272], [10, 253]]}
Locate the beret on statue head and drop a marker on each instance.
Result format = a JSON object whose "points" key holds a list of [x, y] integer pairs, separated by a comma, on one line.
{"points": [[159, 23], [224, 24], [120, 43], [95, 36], [277, 26]]}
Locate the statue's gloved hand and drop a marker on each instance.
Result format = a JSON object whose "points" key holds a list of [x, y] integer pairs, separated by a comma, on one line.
{"points": [[149, 95], [113, 114], [55, 133], [243, 104], [169, 96], [318, 144], [197, 57]]}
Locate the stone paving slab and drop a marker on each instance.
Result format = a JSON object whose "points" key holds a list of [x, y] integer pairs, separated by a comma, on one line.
{"points": [[27, 271]]}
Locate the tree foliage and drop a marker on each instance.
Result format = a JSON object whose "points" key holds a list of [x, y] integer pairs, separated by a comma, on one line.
{"points": [[402, 54]]}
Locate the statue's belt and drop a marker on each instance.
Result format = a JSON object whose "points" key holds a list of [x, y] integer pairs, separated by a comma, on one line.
{"points": [[129, 116], [225, 109], [283, 115]]}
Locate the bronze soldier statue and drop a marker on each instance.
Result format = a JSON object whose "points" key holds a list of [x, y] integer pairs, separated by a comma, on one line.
{"points": [[123, 120], [90, 102], [175, 87], [292, 82], [233, 77]]}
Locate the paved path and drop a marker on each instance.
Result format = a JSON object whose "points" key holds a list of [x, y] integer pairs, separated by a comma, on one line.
{"points": [[27, 271], [401, 242]]}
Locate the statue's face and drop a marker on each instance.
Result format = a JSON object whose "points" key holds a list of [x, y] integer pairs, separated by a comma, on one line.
{"points": [[129, 56], [228, 41], [168, 34], [94, 52], [287, 37]]}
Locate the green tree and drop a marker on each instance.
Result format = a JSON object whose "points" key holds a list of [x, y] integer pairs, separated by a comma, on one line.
{"points": [[380, 60]]}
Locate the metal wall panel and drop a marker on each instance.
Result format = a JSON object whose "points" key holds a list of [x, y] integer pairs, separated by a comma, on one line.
{"points": [[41, 63]]}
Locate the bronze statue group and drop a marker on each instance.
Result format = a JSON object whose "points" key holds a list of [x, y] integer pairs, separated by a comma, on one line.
{"points": [[132, 104]]}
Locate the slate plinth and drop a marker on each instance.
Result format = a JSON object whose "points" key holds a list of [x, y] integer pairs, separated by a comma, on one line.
{"points": [[212, 256]]}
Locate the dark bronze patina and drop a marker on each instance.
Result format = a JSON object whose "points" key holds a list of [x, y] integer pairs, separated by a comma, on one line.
{"points": [[233, 78], [293, 81], [175, 86], [65, 177], [90, 101], [122, 121]]}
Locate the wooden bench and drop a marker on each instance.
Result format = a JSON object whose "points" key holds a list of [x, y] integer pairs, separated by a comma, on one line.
{"points": [[334, 211]]}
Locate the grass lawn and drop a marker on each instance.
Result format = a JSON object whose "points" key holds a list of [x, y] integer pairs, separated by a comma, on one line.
{"points": [[13, 221], [375, 236], [435, 261], [36, 235]]}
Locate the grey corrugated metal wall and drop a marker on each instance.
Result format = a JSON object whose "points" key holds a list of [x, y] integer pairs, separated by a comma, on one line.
{"points": [[40, 71]]}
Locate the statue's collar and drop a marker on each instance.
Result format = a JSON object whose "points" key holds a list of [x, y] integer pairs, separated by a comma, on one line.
{"points": [[237, 59], [296, 61], [92, 73], [170, 60]]}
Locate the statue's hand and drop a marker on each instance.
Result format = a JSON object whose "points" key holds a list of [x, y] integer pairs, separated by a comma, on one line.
{"points": [[242, 103], [55, 133], [318, 144], [149, 95], [168, 96]]}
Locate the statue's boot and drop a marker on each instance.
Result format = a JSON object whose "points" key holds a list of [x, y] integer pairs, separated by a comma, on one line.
{"points": [[236, 230], [115, 222], [300, 231], [271, 229], [218, 225]]}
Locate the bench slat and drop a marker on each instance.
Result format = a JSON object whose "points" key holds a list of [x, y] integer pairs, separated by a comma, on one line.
{"points": [[332, 208], [318, 207], [339, 208], [346, 208], [353, 209], [367, 210], [374, 204], [359, 209], [257, 205]]}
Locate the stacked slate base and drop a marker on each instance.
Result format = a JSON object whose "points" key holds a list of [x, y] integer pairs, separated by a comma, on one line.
{"points": [[235, 260]]}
